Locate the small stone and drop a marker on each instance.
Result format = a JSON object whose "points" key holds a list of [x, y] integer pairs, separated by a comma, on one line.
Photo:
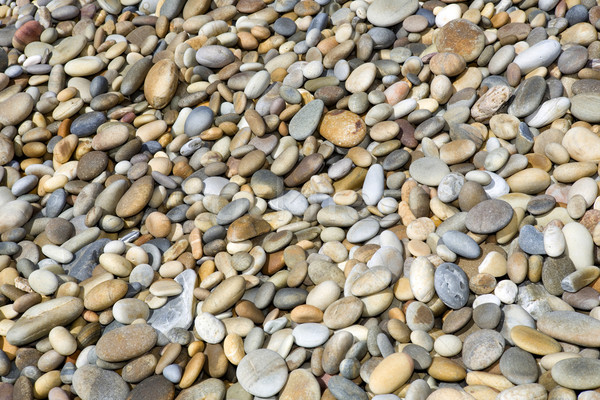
{"points": [[452, 285]]}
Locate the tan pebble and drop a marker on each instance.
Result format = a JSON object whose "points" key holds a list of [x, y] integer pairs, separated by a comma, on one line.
{"points": [[534, 341], [529, 181], [115, 264], [158, 224], [494, 381], [233, 346], [343, 128], [62, 341], [450, 394], [105, 294], [391, 373], [446, 370], [169, 354], [383, 131], [192, 370], [161, 83], [360, 157], [165, 288], [45, 383]]}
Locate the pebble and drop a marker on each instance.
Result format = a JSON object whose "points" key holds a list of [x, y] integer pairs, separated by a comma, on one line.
{"points": [[262, 373], [489, 216], [482, 348], [451, 285], [541, 54], [291, 199]]}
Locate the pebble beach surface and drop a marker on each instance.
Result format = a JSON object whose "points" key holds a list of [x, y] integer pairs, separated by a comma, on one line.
{"points": [[299, 199]]}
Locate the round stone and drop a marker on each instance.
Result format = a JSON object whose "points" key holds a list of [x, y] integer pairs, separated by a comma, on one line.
{"points": [[482, 348], [461, 37], [126, 342], [461, 244], [262, 373], [343, 128], [518, 366], [214, 56], [161, 83]]}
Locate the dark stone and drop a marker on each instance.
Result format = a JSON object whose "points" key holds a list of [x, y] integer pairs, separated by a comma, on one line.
{"points": [[86, 124], [86, 259], [531, 241]]}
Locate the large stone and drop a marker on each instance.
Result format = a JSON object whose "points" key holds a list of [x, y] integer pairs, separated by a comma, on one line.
{"points": [[262, 373], [126, 342], [39, 320], [177, 311], [571, 327]]}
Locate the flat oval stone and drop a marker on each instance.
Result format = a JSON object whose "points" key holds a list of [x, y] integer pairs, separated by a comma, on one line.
{"points": [[391, 373], [126, 342], [310, 335], [136, 197], [363, 230], [451, 285], [534, 341], [199, 120], [161, 83], [84, 66], [232, 211], [87, 124], [461, 244], [585, 107], [306, 120], [518, 366], [428, 170], [334, 215], [489, 216], [225, 295], [262, 373], [343, 312], [577, 373], [15, 109], [388, 12], [214, 56], [89, 380]]}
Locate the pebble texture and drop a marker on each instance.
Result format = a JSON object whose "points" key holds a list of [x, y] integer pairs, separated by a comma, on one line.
{"points": [[299, 199]]}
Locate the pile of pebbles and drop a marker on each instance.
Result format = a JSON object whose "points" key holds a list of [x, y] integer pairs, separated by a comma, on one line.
{"points": [[299, 199]]}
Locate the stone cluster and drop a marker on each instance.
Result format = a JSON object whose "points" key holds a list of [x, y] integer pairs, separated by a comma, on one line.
{"points": [[299, 199]]}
